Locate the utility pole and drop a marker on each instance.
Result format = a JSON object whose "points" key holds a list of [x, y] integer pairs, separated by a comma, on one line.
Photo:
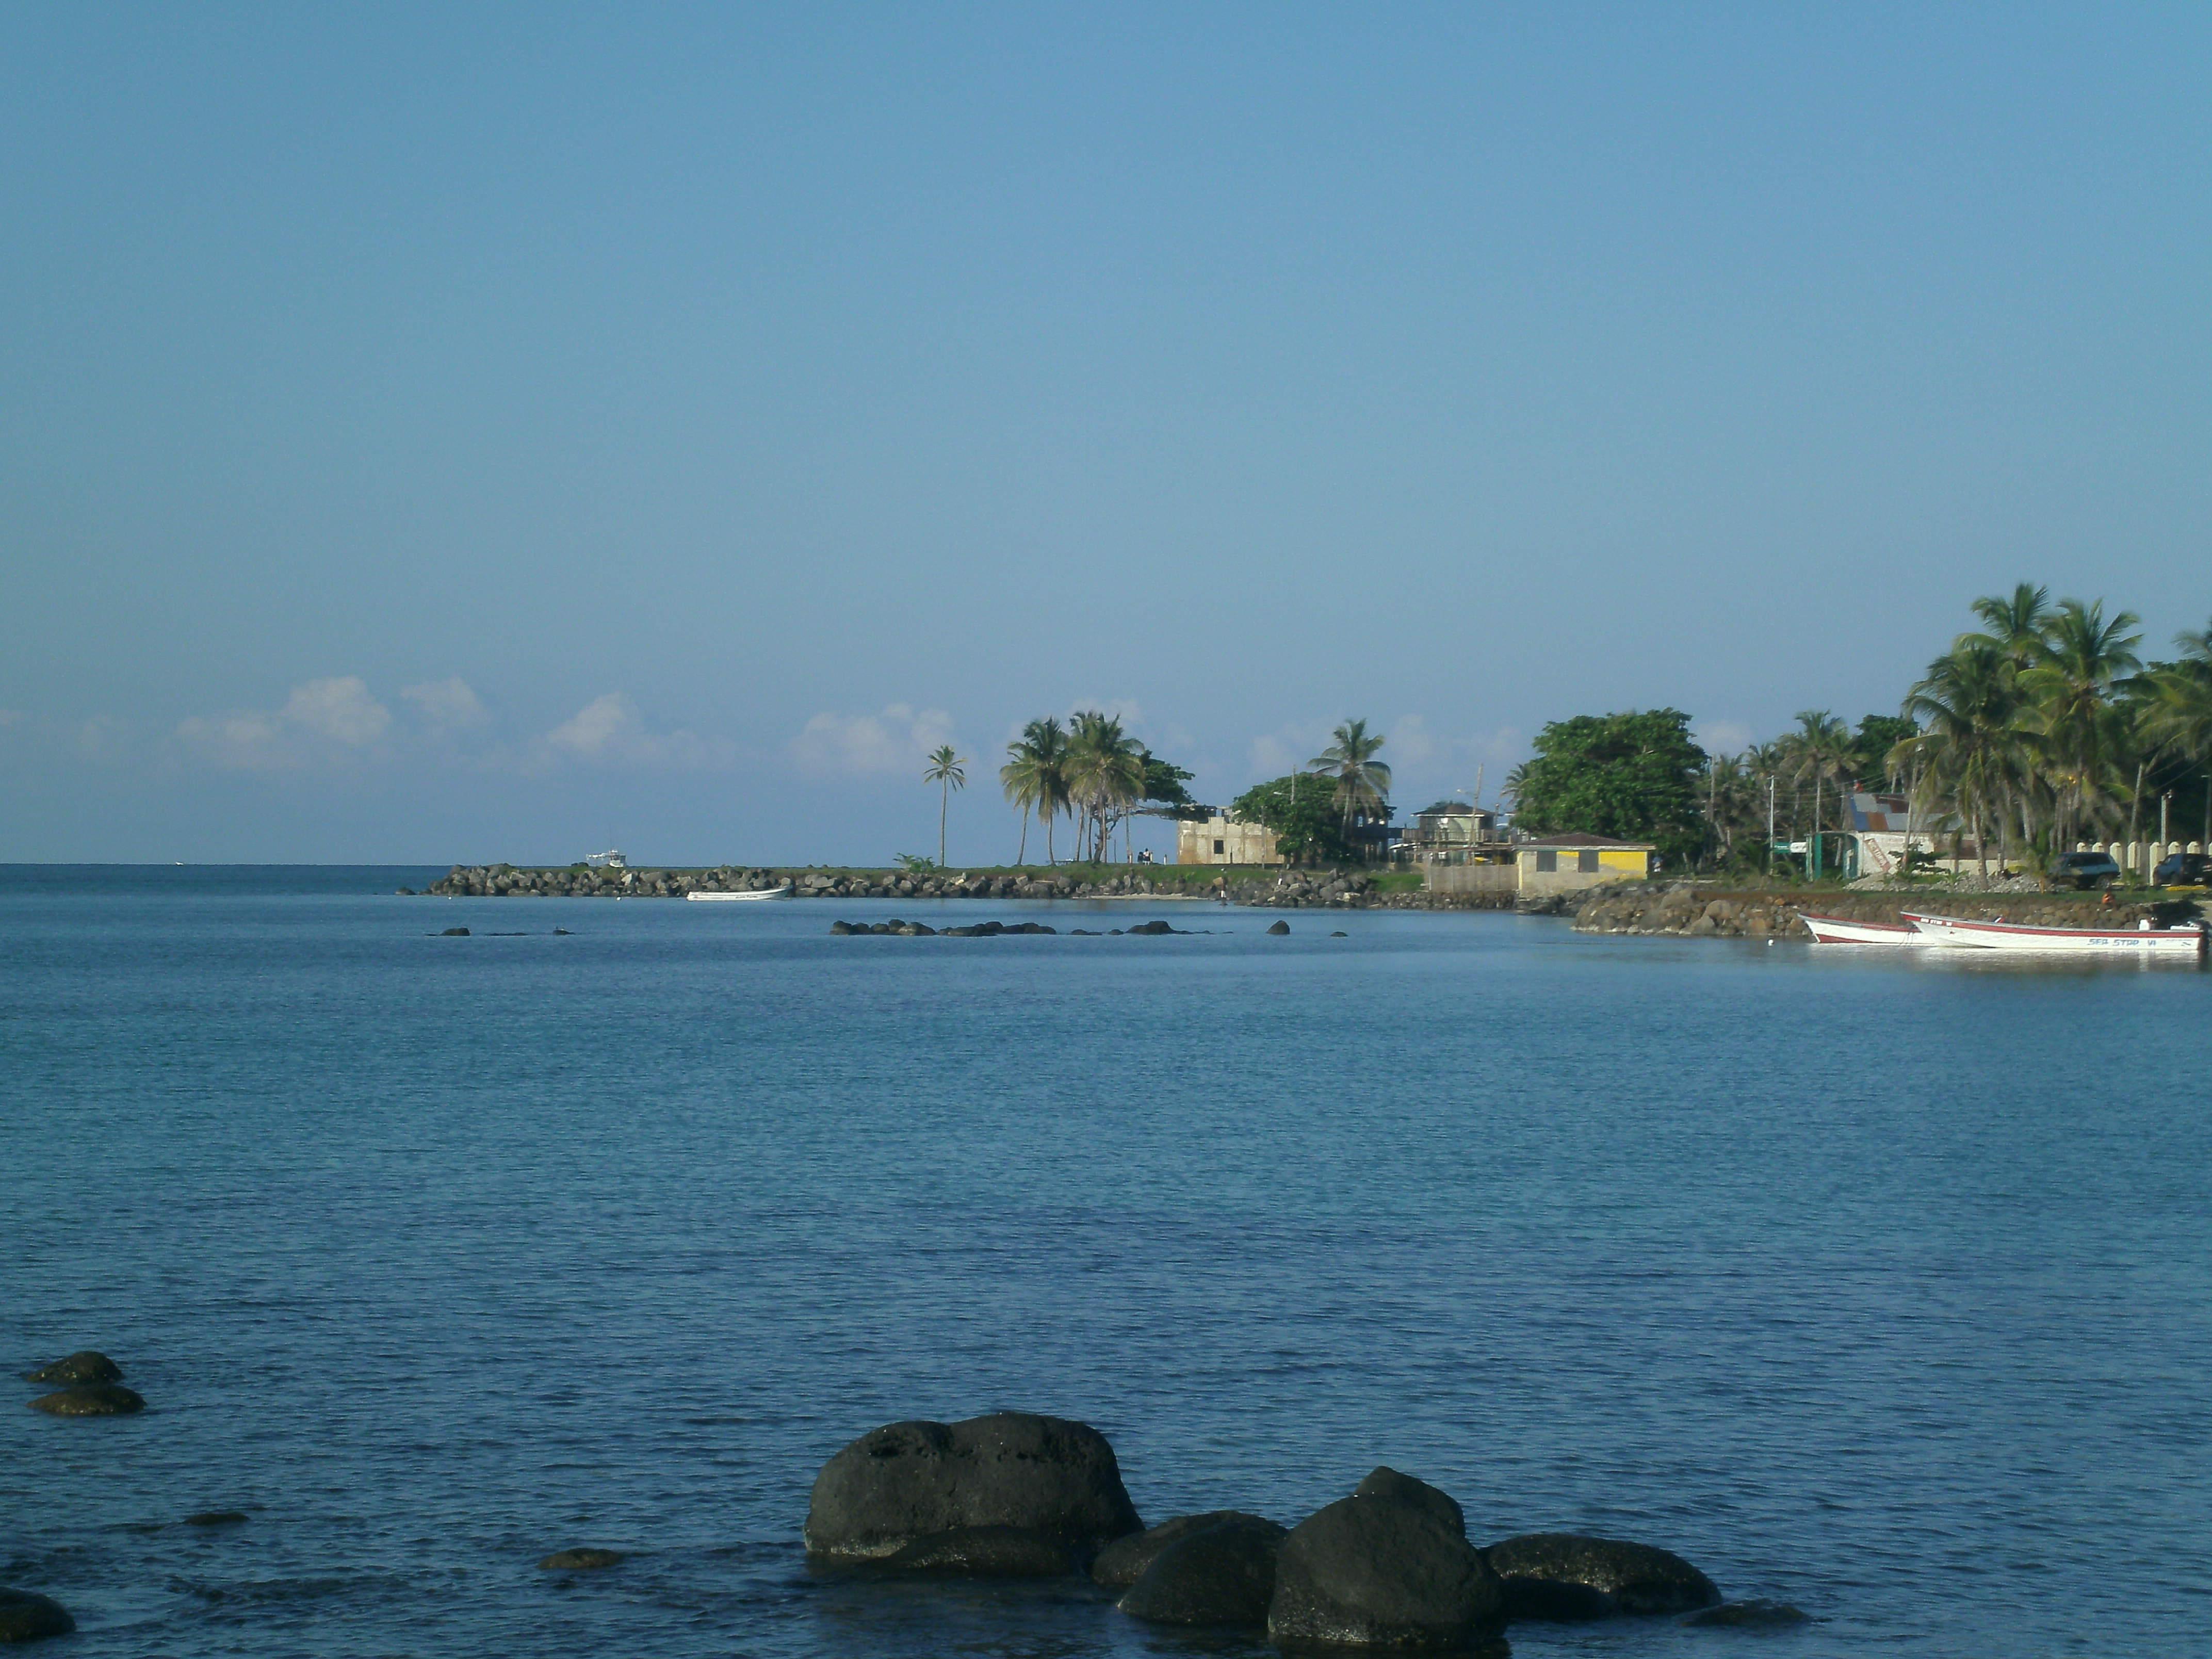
{"points": [[1769, 823]]}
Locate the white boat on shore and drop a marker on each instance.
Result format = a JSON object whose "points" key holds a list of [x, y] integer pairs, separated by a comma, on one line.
{"points": [[1835, 930], [749, 896], [2186, 942]]}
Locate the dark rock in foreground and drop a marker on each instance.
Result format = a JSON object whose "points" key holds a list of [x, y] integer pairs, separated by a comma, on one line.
{"points": [[905, 1481], [1224, 1574], [216, 1518], [26, 1617], [582, 1560], [1279, 928], [1385, 1569], [1122, 1562], [986, 1552], [91, 1400], [1565, 1576], [1750, 1615], [87, 1366]]}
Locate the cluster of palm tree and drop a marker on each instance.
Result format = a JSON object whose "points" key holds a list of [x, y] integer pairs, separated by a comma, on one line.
{"points": [[2041, 727], [1090, 769], [2044, 726]]}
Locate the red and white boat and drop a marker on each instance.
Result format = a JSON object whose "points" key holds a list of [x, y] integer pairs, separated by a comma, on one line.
{"points": [[2145, 940], [1834, 930]]}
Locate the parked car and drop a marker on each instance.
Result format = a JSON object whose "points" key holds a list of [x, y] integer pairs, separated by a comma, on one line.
{"points": [[2183, 870], [2085, 870]]}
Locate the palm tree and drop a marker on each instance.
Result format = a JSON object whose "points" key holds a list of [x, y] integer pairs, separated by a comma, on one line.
{"points": [[2016, 623], [947, 771], [1362, 781], [2076, 687], [1817, 750], [1105, 774], [1032, 778], [2175, 717], [1968, 702]]}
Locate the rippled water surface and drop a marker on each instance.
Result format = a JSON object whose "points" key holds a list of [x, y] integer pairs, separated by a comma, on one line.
{"points": [[1881, 1287]]}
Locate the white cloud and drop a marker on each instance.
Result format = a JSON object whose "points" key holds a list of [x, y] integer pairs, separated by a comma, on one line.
{"points": [[339, 708], [609, 728], [891, 741], [599, 724], [319, 712], [448, 703]]}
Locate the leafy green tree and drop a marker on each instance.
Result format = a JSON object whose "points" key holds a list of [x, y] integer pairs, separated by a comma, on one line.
{"points": [[947, 770], [1164, 784], [1637, 776], [1300, 810], [1874, 742]]}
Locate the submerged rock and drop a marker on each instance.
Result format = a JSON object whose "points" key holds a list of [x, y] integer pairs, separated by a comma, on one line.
{"points": [[1152, 929], [1385, 1569], [1750, 1615], [1224, 1574], [216, 1518], [986, 1552], [26, 1616], [87, 1365], [1122, 1562], [91, 1400], [580, 1560], [906, 1481], [1565, 1575], [454, 933], [1279, 928]]}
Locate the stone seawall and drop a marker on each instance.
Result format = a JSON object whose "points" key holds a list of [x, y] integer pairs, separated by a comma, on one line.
{"points": [[1284, 889], [1692, 911]]}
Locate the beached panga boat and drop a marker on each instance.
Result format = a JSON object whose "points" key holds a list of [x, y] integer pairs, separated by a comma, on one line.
{"points": [[2187, 941], [1834, 930], [783, 891]]}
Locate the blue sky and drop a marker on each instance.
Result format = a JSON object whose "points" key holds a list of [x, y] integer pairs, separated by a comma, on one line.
{"points": [[459, 433]]}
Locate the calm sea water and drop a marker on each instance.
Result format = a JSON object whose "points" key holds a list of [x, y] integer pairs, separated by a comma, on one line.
{"points": [[1881, 1287]]}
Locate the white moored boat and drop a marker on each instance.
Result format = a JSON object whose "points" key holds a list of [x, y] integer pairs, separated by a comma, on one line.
{"points": [[2186, 942], [783, 891], [1834, 930]]}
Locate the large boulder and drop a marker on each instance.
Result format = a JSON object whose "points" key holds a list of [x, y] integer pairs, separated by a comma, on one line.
{"points": [[1386, 1569], [986, 1552], [1224, 1574], [88, 1365], [27, 1617], [91, 1400], [908, 1480], [1386, 1482], [1565, 1575], [1122, 1562]]}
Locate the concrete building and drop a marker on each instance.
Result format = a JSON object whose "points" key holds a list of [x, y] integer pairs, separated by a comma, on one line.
{"points": [[1561, 864], [1220, 839], [1550, 863]]}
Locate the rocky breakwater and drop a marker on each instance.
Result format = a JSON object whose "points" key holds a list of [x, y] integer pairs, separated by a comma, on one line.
{"points": [[512, 881], [1697, 910]]}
